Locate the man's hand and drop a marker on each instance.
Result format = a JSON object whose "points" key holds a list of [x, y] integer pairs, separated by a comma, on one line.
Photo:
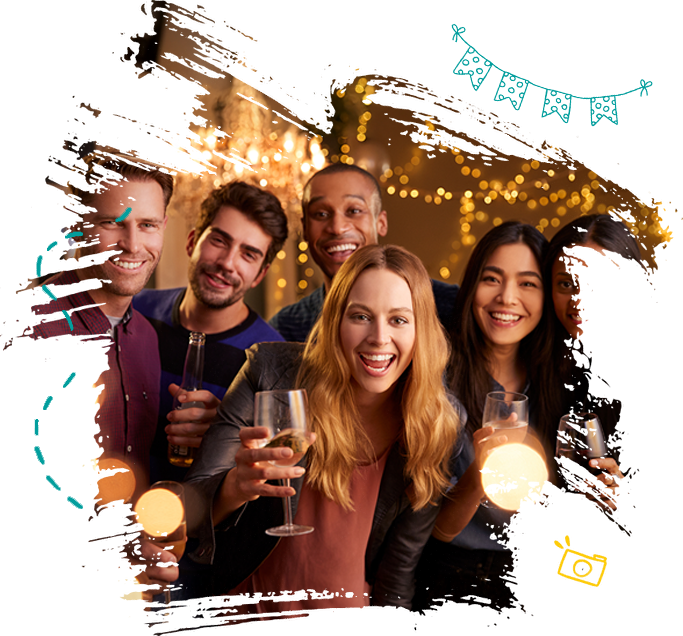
{"points": [[187, 426], [610, 479], [69, 556], [161, 567]]}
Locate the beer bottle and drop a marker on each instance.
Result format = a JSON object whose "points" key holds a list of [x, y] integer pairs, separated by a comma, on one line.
{"points": [[192, 381]]}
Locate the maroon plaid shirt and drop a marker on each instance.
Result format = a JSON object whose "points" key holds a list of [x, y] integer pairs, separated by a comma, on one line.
{"points": [[124, 362]]}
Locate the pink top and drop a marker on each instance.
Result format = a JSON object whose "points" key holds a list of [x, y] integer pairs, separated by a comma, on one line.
{"points": [[325, 568]]}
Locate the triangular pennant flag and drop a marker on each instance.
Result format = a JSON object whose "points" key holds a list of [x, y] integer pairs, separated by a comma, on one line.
{"points": [[513, 88], [556, 102], [474, 65], [604, 107]]}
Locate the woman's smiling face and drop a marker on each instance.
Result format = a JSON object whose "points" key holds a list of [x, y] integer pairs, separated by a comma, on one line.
{"points": [[508, 302], [377, 331], [589, 288]]}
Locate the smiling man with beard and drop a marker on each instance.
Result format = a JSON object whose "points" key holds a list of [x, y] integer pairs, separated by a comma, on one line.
{"points": [[239, 230], [342, 211]]}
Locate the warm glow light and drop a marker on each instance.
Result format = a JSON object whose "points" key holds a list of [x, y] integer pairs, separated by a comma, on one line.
{"points": [[303, 246], [513, 473], [281, 282], [71, 406], [319, 161], [239, 169], [211, 141], [206, 154], [281, 255], [71, 462], [115, 595], [263, 182], [160, 512], [253, 155], [117, 483], [305, 167]]}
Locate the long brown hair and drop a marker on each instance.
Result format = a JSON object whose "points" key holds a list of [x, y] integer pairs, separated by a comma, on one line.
{"points": [[468, 373], [430, 424]]}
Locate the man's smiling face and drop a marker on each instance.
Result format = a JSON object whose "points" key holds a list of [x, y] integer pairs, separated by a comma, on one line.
{"points": [[342, 215]]}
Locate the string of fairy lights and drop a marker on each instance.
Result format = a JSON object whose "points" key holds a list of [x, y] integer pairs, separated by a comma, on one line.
{"points": [[553, 192]]}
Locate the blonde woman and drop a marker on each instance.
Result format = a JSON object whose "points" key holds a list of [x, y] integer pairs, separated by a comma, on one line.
{"points": [[371, 483]]}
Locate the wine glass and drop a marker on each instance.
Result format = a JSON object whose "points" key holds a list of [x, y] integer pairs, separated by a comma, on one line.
{"points": [[508, 414], [580, 438], [285, 415], [161, 512]]}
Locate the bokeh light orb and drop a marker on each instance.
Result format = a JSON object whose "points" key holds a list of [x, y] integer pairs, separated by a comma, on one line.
{"points": [[513, 473], [114, 483], [71, 461], [160, 512], [115, 595], [71, 406]]}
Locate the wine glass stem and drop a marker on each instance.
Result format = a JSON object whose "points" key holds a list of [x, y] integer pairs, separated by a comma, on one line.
{"points": [[168, 618], [586, 520], [288, 507]]}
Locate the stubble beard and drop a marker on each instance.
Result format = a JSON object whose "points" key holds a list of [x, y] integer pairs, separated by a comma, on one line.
{"points": [[208, 298]]}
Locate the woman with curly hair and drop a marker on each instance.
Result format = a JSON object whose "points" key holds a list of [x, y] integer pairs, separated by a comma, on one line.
{"points": [[371, 483]]}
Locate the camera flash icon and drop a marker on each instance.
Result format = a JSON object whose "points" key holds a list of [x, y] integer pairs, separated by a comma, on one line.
{"points": [[580, 567]]}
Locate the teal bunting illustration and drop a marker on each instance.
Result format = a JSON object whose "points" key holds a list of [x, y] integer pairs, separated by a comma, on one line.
{"points": [[514, 88]]}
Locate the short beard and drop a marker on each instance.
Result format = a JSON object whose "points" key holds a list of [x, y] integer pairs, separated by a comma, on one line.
{"points": [[201, 296]]}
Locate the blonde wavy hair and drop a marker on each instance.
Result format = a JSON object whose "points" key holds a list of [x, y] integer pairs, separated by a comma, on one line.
{"points": [[430, 424]]}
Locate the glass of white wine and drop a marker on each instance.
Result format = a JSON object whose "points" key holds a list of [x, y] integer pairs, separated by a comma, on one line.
{"points": [[161, 512], [508, 413], [285, 415]]}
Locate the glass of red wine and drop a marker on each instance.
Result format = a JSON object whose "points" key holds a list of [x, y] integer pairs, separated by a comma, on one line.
{"points": [[580, 439]]}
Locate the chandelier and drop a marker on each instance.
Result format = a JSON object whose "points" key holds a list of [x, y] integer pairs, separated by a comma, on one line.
{"points": [[242, 145]]}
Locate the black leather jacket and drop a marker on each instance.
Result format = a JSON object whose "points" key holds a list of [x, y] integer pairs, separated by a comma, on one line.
{"points": [[238, 545], [638, 395]]}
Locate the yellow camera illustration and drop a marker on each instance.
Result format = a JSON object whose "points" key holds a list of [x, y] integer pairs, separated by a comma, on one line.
{"points": [[580, 567]]}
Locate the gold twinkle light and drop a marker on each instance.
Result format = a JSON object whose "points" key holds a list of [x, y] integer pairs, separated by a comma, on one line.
{"points": [[242, 145]]}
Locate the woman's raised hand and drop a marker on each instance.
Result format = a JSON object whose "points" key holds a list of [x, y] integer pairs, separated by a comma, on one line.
{"points": [[606, 491]]}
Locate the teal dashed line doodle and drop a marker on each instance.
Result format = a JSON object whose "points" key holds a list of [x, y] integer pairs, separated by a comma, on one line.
{"points": [[48, 401], [71, 500], [68, 319], [124, 215], [52, 481], [514, 88], [39, 455], [48, 292]]}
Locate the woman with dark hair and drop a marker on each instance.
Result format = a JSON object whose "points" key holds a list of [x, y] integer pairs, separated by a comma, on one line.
{"points": [[610, 330], [500, 343], [385, 429]]}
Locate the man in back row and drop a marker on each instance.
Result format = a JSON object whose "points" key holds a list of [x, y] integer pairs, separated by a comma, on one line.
{"points": [[239, 230], [342, 211]]}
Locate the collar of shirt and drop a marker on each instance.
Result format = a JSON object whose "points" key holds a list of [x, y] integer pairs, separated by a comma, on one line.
{"points": [[90, 314]]}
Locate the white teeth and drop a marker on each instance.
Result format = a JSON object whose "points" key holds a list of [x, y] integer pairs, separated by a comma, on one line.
{"points": [[344, 247], [582, 318], [377, 357], [505, 317], [127, 264]]}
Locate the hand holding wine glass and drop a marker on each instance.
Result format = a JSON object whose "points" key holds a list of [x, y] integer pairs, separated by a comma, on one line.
{"points": [[580, 438], [507, 414], [285, 416]]}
